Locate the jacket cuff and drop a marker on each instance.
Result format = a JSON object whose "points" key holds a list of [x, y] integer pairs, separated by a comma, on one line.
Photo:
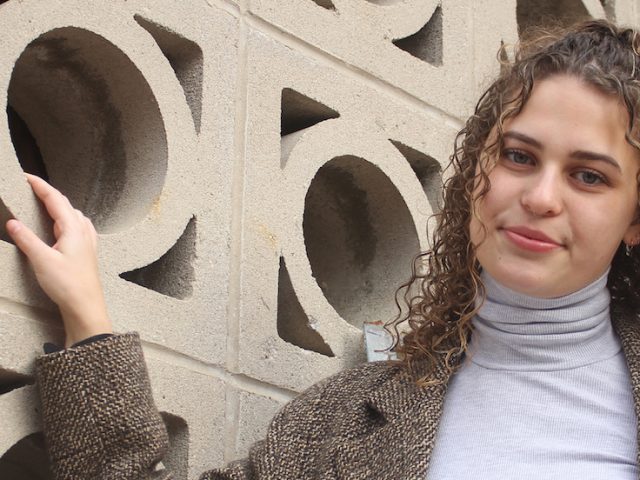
{"points": [[99, 417], [52, 347]]}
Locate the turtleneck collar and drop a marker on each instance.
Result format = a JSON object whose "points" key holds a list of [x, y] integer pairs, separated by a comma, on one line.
{"points": [[513, 331]]}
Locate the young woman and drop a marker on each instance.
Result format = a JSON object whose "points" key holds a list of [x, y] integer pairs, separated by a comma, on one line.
{"points": [[522, 358]]}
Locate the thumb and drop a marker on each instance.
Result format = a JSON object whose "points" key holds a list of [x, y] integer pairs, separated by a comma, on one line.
{"points": [[27, 241]]}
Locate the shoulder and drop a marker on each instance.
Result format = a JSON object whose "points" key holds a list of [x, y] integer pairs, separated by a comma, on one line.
{"points": [[333, 408], [305, 433], [340, 399], [354, 383]]}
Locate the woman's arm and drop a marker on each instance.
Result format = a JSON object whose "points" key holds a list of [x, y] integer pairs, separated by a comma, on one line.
{"points": [[99, 417], [100, 421], [98, 414], [68, 270]]}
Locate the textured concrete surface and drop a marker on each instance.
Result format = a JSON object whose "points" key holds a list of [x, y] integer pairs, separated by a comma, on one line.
{"points": [[254, 413], [261, 173], [330, 249], [431, 49], [192, 404]]}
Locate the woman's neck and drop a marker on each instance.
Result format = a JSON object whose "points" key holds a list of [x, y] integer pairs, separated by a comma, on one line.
{"points": [[513, 331]]}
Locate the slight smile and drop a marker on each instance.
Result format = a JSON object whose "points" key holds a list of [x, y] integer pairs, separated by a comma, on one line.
{"points": [[529, 239]]}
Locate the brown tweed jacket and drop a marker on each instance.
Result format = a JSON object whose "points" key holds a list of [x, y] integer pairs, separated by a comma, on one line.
{"points": [[370, 422]]}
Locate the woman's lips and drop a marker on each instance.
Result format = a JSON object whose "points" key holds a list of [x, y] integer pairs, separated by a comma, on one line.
{"points": [[532, 240]]}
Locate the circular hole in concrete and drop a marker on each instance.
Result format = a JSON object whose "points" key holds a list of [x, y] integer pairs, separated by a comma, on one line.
{"points": [[360, 238], [82, 114], [532, 15], [26, 460], [5, 215], [176, 460]]}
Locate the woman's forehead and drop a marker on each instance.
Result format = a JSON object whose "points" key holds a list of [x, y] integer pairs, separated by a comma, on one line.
{"points": [[564, 112]]}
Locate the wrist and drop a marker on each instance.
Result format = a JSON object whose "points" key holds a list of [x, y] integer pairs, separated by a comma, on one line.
{"points": [[78, 335], [82, 324]]}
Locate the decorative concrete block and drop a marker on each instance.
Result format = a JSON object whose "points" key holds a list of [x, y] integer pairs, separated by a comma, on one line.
{"points": [[192, 404], [625, 12], [22, 453], [254, 416], [24, 331], [546, 13], [115, 104], [19, 413], [439, 52], [356, 175]]}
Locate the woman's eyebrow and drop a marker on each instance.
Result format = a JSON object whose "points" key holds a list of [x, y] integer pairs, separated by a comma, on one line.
{"points": [[522, 137], [600, 157]]}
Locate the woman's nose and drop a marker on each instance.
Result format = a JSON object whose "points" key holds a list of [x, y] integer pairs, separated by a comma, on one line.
{"points": [[542, 195]]}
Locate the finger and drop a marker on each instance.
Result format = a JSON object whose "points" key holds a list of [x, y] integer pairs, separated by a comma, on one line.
{"points": [[91, 226], [87, 228], [56, 203], [28, 242], [57, 230], [92, 232], [79, 218]]}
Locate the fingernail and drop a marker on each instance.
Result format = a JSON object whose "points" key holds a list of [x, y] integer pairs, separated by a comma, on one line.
{"points": [[13, 226]]}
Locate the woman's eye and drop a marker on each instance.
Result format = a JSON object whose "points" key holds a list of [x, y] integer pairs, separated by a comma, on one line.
{"points": [[518, 157], [589, 178]]}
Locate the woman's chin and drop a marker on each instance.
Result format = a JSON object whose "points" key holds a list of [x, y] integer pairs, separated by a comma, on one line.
{"points": [[527, 282]]}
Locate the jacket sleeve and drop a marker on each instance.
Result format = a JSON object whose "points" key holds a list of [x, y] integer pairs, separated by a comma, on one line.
{"points": [[100, 422], [99, 418], [304, 436]]}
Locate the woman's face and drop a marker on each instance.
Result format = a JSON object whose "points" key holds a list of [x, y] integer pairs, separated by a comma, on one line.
{"points": [[563, 194]]}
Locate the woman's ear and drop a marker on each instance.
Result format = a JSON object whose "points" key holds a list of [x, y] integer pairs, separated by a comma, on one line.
{"points": [[631, 237]]}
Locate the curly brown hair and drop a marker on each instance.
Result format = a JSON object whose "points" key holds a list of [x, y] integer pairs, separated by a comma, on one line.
{"points": [[439, 301]]}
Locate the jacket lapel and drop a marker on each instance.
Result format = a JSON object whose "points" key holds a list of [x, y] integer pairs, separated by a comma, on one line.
{"points": [[406, 418], [627, 327]]}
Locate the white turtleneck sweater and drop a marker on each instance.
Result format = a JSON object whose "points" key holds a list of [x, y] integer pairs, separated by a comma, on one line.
{"points": [[544, 393]]}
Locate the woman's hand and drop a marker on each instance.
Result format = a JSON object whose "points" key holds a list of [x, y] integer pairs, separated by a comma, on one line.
{"points": [[68, 271]]}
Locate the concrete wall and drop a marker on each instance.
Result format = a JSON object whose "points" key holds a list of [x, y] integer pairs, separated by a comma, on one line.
{"points": [[260, 173]]}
